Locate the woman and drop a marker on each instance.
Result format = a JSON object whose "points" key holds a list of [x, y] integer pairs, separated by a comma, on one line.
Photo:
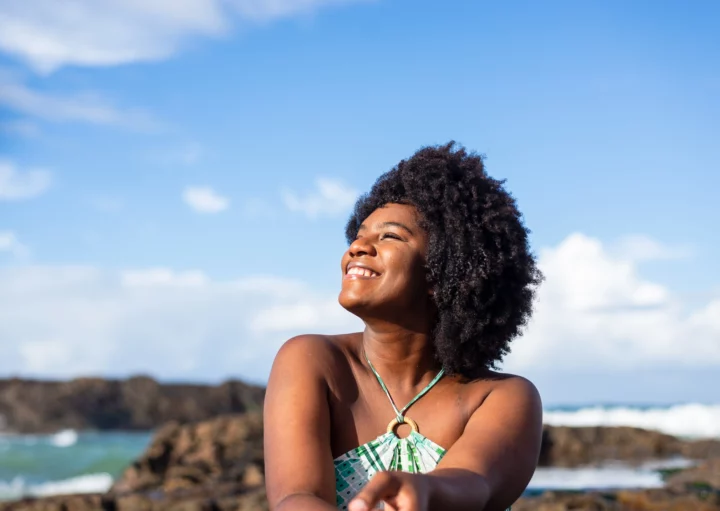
{"points": [[409, 412]]}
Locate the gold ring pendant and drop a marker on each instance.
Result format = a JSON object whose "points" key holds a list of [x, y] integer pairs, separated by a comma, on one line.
{"points": [[405, 420]]}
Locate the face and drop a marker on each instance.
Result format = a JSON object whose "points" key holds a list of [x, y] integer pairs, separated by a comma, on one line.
{"points": [[384, 268]]}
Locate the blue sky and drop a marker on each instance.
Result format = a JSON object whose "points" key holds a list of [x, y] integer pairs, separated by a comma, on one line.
{"points": [[175, 176]]}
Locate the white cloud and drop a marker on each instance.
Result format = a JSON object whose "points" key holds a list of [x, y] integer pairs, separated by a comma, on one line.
{"points": [[204, 199], [300, 317], [49, 34], [68, 321], [18, 185], [10, 243], [162, 277], [86, 107], [644, 248], [265, 10], [594, 312], [331, 198]]}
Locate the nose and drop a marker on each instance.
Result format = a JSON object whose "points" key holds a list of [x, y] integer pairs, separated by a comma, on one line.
{"points": [[362, 246]]}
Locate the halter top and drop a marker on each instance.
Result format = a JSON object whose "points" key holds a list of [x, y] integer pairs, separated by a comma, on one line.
{"points": [[413, 454]]}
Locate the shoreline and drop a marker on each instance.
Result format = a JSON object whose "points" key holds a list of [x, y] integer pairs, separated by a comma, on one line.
{"points": [[218, 464]]}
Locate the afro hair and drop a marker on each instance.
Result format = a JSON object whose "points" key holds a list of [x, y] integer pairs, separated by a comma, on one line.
{"points": [[480, 267]]}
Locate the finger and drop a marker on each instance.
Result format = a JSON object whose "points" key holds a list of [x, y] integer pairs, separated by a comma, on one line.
{"points": [[383, 485]]}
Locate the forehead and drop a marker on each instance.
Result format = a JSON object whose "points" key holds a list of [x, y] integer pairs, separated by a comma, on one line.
{"points": [[402, 213]]}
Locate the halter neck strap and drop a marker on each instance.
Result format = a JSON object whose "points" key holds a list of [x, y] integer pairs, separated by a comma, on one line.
{"points": [[400, 413]]}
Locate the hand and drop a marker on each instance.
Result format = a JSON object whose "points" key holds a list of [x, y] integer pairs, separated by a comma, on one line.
{"points": [[400, 492]]}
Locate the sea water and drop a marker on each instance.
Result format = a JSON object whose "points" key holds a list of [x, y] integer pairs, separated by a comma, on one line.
{"points": [[77, 462], [65, 462]]}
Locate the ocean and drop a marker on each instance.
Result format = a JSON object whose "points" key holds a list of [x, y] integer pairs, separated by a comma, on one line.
{"points": [[75, 462]]}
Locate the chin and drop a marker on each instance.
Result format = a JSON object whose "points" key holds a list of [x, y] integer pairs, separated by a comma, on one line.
{"points": [[354, 303]]}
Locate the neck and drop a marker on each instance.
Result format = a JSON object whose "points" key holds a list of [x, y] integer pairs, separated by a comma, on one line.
{"points": [[404, 358]]}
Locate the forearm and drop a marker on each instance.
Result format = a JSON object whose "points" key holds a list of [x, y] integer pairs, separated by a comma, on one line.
{"points": [[303, 502], [457, 489]]}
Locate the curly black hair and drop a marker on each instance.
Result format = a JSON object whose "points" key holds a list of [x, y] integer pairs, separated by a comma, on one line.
{"points": [[480, 267]]}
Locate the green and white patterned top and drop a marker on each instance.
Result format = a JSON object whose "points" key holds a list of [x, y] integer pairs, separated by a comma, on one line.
{"points": [[414, 454]]}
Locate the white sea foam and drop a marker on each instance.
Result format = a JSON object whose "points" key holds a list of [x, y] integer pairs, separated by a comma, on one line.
{"points": [[686, 420], [64, 438], [13, 489], [88, 483], [594, 478]]}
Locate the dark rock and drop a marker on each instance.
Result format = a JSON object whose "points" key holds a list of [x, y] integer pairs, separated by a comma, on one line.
{"points": [[140, 403], [219, 499], [571, 447], [214, 465], [705, 475], [226, 449], [217, 464], [640, 500]]}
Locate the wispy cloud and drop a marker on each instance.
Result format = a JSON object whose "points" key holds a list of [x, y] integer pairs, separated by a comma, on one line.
{"points": [[106, 203], [48, 34], [89, 108], [10, 243], [265, 10], [162, 277], [330, 198], [204, 199], [644, 248], [19, 185], [186, 155], [20, 127]]}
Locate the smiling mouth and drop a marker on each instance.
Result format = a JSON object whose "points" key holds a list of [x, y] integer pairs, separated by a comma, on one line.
{"points": [[357, 272]]}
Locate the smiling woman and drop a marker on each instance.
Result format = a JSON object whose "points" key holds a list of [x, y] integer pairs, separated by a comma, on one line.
{"points": [[439, 270]]}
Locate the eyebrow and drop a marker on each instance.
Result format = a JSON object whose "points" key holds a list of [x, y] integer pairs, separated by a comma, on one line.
{"points": [[389, 224]]}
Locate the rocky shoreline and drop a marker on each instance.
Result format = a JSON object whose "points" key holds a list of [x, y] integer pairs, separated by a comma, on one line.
{"points": [[138, 403], [207, 456]]}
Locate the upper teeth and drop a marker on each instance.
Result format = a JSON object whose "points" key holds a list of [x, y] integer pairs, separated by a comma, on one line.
{"points": [[357, 270]]}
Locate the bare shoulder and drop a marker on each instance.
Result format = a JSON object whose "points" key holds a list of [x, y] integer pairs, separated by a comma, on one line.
{"points": [[518, 387], [317, 353], [516, 399], [504, 389]]}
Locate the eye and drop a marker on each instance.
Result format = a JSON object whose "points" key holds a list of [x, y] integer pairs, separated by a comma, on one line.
{"points": [[390, 235]]}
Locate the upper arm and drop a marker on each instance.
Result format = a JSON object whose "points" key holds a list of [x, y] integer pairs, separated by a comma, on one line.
{"points": [[501, 441], [298, 459]]}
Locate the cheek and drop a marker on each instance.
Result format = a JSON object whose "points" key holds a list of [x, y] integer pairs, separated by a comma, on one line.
{"points": [[411, 271], [345, 259]]}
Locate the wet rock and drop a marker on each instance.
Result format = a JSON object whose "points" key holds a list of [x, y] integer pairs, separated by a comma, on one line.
{"points": [[704, 476]]}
